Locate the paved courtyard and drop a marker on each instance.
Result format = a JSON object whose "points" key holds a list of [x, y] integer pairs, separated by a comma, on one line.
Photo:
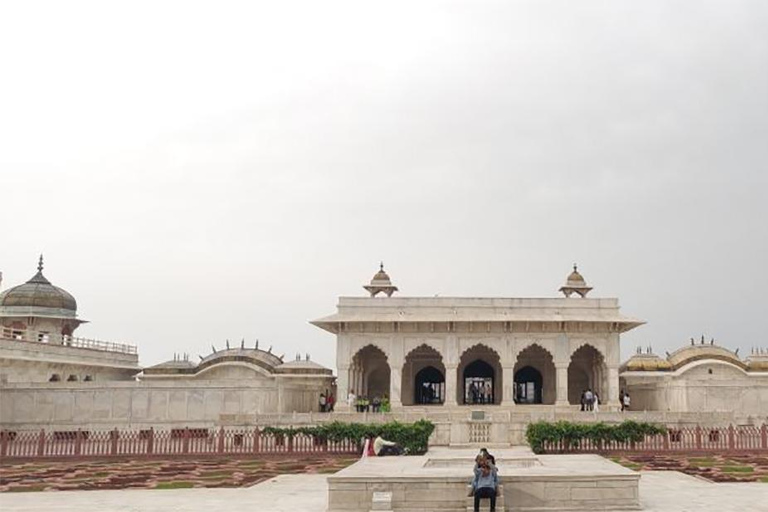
{"points": [[660, 491]]}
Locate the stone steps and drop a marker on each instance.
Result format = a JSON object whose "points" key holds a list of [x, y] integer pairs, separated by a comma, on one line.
{"points": [[485, 504]]}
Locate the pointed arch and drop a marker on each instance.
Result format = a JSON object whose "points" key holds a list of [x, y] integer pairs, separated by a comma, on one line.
{"points": [[535, 375], [418, 387], [370, 372], [587, 371], [479, 376]]}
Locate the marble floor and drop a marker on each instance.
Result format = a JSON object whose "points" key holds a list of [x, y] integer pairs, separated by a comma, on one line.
{"points": [[660, 491]]}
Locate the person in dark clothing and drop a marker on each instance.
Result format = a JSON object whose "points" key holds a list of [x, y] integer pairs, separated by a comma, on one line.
{"points": [[486, 483], [487, 455]]}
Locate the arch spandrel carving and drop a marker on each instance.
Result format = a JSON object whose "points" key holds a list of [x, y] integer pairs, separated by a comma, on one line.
{"points": [[495, 343], [599, 344], [359, 344], [479, 345], [546, 344], [412, 343]]}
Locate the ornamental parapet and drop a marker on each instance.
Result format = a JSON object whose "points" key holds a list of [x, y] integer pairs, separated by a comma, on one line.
{"points": [[45, 338]]}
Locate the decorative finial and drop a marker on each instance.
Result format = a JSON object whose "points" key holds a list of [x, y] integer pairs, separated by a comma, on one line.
{"points": [[40, 264], [256, 346], [213, 348], [575, 268], [306, 357], [227, 344], [201, 357], [242, 343], [381, 266]]}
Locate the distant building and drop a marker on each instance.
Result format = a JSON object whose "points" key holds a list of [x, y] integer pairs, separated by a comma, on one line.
{"points": [[37, 341], [698, 377], [50, 377], [453, 351]]}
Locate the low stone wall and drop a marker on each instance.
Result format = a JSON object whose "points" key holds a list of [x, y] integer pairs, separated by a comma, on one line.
{"points": [[528, 483], [203, 404], [535, 493]]}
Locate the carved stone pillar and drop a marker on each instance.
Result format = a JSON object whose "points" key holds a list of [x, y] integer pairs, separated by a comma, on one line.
{"points": [[450, 385], [508, 393], [562, 385], [395, 383], [342, 389], [613, 387]]}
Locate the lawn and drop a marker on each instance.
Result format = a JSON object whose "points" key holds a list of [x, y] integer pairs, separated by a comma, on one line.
{"points": [[717, 468], [159, 474]]}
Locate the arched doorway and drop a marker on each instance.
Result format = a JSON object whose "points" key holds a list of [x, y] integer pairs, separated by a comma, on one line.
{"points": [[423, 377], [429, 386], [479, 376], [370, 373], [586, 371], [528, 386], [478, 383], [535, 370]]}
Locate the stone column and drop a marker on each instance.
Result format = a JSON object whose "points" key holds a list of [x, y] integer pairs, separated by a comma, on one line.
{"points": [[395, 382], [508, 393], [613, 387], [342, 389], [450, 385], [360, 384], [561, 384]]}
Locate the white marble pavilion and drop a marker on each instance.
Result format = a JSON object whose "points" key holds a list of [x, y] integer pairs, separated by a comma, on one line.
{"points": [[452, 351]]}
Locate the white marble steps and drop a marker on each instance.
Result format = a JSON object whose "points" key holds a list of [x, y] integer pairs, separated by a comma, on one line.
{"points": [[485, 504]]}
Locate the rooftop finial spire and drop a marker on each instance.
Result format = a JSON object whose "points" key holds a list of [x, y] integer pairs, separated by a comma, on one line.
{"points": [[381, 266], [575, 268], [40, 264]]}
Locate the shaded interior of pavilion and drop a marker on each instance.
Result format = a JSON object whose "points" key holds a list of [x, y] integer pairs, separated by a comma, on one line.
{"points": [[480, 378]]}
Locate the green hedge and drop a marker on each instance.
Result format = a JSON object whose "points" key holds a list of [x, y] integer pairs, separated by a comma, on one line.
{"points": [[413, 436], [567, 435]]}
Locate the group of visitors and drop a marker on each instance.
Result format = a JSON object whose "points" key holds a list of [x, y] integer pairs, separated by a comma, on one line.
{"points": [[590, 400], [363, 403], [624, 400], [481, 392], [327, 401], [485, 483]]}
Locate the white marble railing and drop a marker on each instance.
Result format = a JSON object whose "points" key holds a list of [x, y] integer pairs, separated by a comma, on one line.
{"points": [[30, 336]]}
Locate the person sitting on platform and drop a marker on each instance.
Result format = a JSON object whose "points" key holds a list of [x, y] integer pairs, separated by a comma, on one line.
{"points": [[487, 456], [485, 483], [383, 447]]}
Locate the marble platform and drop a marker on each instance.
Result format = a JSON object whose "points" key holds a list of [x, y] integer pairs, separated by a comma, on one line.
{"points": [[438, 481]]}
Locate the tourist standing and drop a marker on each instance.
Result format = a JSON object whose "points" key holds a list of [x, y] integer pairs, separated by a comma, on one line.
{"points": [[588, 398], [329, 402], [596, 402], [626, 403], [323, 402], [351, 399], [621, 399]]}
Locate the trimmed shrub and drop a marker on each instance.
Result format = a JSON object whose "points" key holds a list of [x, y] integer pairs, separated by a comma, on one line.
{"points": [[412, 436], [567, 436]]}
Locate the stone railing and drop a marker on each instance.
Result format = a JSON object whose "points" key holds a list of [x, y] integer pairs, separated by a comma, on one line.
{"points": [[30, 336], [177, 442]]}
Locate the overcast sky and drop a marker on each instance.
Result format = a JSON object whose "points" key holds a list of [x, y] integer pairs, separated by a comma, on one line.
{"points": [[201, 171]]}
